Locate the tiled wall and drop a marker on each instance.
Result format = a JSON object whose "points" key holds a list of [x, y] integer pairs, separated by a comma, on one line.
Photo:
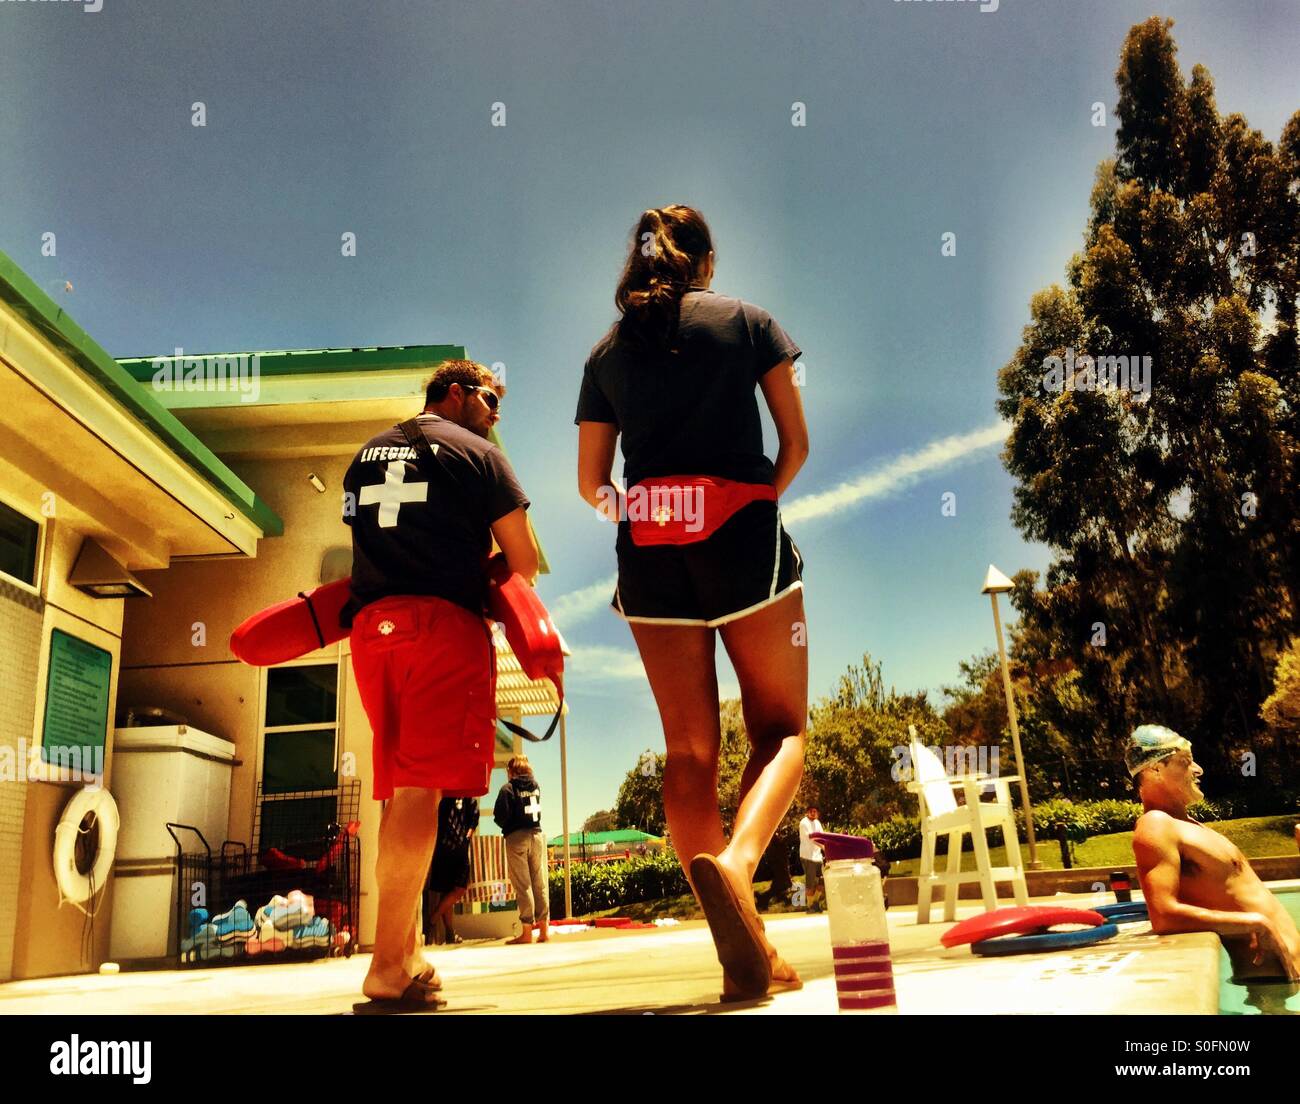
{"points": [[20, 640]]}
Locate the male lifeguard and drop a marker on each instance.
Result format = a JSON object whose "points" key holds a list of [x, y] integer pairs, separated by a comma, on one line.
{"points": [[1193, 878], [422, 528]]}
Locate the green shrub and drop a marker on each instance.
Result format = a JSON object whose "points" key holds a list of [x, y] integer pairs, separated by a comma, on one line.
{"points": [[599, 886], [653, 877], [899, 837]]}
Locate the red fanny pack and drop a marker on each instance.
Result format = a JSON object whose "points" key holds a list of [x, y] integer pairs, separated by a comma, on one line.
{"points": [[682, 509]]}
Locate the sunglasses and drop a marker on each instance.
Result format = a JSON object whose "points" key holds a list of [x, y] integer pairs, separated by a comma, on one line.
{"points": [[490, 397]]}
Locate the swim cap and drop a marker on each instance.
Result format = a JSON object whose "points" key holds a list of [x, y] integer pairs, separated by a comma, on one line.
{"points": [[1150, 744]]}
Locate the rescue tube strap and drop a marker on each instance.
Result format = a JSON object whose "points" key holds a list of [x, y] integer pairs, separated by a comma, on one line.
{"points": [[315, 622], [523, 733]]}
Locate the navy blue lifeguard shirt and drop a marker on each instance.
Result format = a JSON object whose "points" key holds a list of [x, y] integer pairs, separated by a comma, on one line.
{"points": [[413, 534], [693, 411]]}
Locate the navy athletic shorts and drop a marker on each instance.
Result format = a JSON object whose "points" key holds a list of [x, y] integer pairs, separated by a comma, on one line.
{"points": [[749, 563]]}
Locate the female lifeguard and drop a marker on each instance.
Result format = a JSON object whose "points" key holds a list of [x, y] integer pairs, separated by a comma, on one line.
{"points": [[701, 549]]}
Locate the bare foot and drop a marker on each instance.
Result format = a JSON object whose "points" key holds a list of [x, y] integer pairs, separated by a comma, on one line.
{"points": [[525, 936], [739, 878], [544, 933], [419, 969], [388, 986], [784, 976]]}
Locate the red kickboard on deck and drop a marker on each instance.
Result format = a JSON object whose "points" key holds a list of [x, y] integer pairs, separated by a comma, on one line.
{"points": [[288, 630], [1017, 921], [611, 921]]}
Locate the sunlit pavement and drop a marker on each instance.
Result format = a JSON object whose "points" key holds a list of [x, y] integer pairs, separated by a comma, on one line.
{"points": [[673, 970]]}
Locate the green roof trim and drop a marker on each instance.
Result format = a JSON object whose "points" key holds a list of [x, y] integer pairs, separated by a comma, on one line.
{"points": [[291, 362], [294, 362], [593, 839], [56, 325]]}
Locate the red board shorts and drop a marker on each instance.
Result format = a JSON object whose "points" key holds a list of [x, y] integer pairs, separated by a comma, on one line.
{"points": [[426, 672]]}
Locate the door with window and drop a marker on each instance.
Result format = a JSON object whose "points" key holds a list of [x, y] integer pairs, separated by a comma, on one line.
{"points": [[298, 794]]}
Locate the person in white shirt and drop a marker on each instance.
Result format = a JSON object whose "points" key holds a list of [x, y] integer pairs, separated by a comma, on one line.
{"points": [[810, 856]]}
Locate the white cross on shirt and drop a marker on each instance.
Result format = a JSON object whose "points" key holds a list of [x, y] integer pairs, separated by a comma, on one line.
{"points": [[392, 492], [534, 808]]}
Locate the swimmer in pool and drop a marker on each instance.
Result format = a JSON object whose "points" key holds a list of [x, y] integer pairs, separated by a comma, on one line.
{"points": [[1193, 878]]}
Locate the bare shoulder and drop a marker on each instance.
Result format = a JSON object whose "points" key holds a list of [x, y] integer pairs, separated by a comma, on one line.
{"points": [[1155, 829]]}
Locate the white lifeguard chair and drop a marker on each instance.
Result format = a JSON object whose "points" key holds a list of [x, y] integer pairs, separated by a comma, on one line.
{"points": [[936, 790]]}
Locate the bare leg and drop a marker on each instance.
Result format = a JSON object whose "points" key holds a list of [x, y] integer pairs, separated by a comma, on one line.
{"points": [[445, 906], [773, 675], [679, 664], [407, 833]]}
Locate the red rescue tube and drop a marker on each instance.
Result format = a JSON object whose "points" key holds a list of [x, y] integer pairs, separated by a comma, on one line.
{"points": [[528, 627], [1017, 921], [294, 628]]}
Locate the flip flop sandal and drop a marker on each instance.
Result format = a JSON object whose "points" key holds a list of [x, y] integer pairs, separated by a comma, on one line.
{"points": [[780, 984], [731, 993], [416, 998], [738, 939]]}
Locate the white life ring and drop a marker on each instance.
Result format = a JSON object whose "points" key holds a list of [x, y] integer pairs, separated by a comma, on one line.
{"points": [[75, 886]]}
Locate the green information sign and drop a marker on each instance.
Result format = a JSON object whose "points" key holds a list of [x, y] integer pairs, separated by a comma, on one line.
{"points": [[76, 702]]}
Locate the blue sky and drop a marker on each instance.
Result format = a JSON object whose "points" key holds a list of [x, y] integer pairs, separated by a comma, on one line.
{"points": [[330, 117]]}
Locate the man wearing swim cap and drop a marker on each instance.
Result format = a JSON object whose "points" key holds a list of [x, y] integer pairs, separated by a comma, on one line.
{"points": [[1193, 878]]}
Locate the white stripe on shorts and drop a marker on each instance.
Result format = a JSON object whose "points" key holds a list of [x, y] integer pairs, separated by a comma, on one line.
{"points": [[776, 562]]}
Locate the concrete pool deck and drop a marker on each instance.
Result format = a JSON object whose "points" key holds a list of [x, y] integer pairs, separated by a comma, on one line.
{"points": [[673, 970]]}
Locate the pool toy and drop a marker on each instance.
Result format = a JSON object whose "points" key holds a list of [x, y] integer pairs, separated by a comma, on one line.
{"points": [[234, 926], [286, 913], [207, 944], [1124, 912], [267, 940], [315, 933], [197, 918], [1044, 941], [1022, 920]]}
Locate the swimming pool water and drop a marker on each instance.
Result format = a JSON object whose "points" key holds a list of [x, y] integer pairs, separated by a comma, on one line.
{"points": [[1274, 998]]}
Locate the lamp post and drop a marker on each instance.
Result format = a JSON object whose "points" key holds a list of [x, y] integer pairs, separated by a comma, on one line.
{"points": [[564, 801], [996, 583]]}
